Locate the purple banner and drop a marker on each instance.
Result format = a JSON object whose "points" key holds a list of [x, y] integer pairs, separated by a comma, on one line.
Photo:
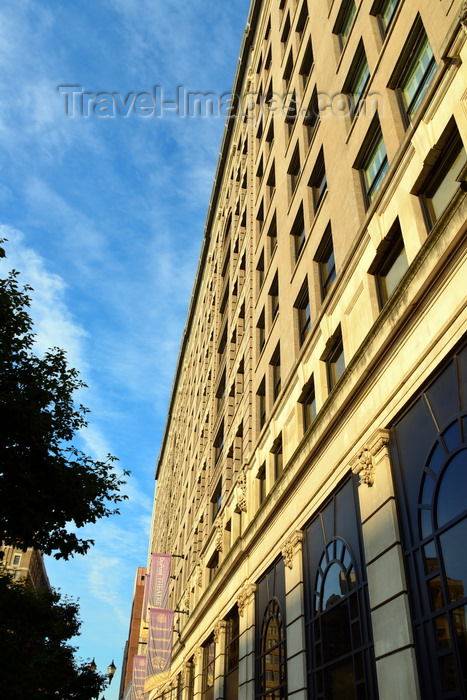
{"points": [[159, 649], [160, 579], [138, 678]]}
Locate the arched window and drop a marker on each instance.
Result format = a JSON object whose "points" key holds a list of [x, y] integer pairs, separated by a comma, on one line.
{"points": [[339, 644], [338, 656], [272, 657], [429, 451], [270, 635], [443, 536]]}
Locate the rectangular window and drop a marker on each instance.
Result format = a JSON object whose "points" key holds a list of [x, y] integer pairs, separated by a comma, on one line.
{"points": [[298, 233], [291, 114], [276, 372], [219, 442], [373, 162], [385, 11], [274, 296], [307, 64], [390, 264], [302, 19], [414, 71], [271, 182], [261, 332], [278, 457], [272, 233], [318, 181], [216, 500], [357, 80], [446, 177], [344, 22], [311, 118], [260, 217], [260, 270], [326, 263], [261, 394], [335, 360], [288, 70], [285, 33], [261, 476], [303, 312], [294, 169], [16, 559], [308, 402], [220, 393]]}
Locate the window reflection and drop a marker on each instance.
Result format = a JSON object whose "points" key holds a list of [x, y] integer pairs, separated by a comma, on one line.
{"points": [[452, 497]]}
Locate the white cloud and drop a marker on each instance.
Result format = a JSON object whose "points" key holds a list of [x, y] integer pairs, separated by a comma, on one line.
{"points": [[54, 324]]}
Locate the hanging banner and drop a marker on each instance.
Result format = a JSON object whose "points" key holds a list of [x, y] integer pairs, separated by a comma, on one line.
{"points": [[160, 579], [138, 678], [159, 649], [147, 583]]}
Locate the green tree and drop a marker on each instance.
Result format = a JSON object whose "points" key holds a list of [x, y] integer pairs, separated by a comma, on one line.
{"points": [[48, 488], [37, 661]]}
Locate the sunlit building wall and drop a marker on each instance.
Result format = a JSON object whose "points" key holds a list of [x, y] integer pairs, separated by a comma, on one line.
{"points": [[312, 474]]}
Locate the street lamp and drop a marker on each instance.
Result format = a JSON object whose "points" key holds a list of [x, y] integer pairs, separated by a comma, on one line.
{"points": [[111, 668]]}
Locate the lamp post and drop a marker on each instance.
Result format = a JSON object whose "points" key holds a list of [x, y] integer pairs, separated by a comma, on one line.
{"points": [[111, 668]]}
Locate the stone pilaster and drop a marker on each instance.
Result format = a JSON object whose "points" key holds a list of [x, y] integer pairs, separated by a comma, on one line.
{"points": [[292, 551], [390, 615], [246, 662], [198, 684], [219, 664]]}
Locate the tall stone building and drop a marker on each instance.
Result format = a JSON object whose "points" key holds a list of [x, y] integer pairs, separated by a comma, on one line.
{"points": [[312, 478], [27, 564]]}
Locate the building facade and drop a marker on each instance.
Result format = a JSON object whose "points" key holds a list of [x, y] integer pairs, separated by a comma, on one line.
{"points": [[28, 564], [132, 643], [312, 478]]}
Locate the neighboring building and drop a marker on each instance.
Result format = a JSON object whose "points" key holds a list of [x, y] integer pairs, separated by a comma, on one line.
{"points": [[131, 645], [28, 564], [313, 468]]}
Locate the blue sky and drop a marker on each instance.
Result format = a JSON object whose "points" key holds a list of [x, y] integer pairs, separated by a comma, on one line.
{"points": [[104, 218]]}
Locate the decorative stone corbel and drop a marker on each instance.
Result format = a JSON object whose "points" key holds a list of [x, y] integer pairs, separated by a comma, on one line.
{"points": [[218, 627], [240, 492], [199, 575], [289, 547], [245, 595], [219, 526], [364, 464]]}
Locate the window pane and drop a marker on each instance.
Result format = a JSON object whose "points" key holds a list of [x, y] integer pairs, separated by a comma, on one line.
{"points": [[340, 682], [446, 189], [421, 70], [452, 496], [452, 544], [335, 585], [395, 273]]}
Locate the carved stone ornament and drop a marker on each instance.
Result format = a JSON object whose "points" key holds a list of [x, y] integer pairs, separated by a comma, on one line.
{"points": [[219, 525], [218, 627], [364, 467], [240, 492], [244, 597], [186, 600], [198, 655], [364, 464], [287, 553], [289, 547], [199, 576]]}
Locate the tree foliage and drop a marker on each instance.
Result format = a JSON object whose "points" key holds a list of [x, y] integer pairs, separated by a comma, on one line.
{"points": [[48, 488], [37, 661]]}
